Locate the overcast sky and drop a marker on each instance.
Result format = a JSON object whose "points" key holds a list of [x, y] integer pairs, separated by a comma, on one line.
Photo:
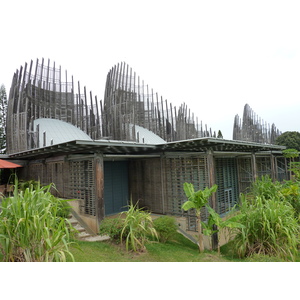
{"points": [[215, 56]]}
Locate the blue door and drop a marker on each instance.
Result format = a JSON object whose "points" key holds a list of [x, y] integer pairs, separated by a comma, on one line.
{"points": [[115, 186]]}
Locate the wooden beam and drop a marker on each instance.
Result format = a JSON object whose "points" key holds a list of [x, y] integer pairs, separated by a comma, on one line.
{"points": [[211, 182], [99, 188], [254, 166]]}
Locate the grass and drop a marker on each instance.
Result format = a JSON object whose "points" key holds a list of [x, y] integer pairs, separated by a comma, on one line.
{"points": [[179, 249]]}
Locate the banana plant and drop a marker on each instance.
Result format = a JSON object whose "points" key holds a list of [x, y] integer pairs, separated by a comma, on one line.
{"points": [[196, 200], [215, 219]]}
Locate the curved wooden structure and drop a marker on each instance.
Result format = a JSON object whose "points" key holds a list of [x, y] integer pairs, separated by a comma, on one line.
{"points": [[253, 129], [43, 92], [129, 101]]}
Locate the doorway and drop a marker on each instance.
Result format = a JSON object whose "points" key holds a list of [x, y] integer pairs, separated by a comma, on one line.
{"points": [[116, 193]]}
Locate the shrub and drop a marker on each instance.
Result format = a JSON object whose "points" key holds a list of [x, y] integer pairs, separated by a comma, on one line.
{"points": [[165, 227], [269, 228], [291, 192], [23, 185], [265, 187], [113, 228], [137, 225], [31, 228]]}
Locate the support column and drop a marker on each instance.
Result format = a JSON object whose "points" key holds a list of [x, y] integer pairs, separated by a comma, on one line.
{"points": [[213, 200], [254, 167], [273, 167], [99, 188], [211, 176]]}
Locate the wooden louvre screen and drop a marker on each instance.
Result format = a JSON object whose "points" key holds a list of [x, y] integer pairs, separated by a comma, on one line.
{"points": [[245, 173], [82, 185], [263, 165], [282, 173], [227, 181], [178, 170]]}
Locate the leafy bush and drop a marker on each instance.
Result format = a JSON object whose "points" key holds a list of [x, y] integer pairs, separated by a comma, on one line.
{"points": [[291, 192], [113, 228], [137, 225], [269, 228], [287, 191], [165, 227], [265, 187], [23, 185], [31, 228]]}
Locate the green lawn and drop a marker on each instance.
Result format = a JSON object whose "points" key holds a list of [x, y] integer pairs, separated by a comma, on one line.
{"points": [[178, 250]]}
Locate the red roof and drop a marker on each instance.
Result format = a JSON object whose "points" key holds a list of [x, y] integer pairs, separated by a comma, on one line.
{"points": [[4, 164]]}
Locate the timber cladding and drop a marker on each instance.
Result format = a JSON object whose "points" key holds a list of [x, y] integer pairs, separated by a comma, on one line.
{"points": [[82, 185], [157, 183], [177, 171], [72, 180], [146, 184]]}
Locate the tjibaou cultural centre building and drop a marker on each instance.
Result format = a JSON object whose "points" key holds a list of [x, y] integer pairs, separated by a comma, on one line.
{"points": [[133, 144]]}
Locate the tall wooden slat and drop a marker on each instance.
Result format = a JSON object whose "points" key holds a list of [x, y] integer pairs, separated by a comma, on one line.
{"points": [[98, 133], [86, 123], [99, 188]]}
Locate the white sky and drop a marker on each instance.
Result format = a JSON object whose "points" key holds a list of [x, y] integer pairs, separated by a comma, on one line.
{"points": [[215, 56]]}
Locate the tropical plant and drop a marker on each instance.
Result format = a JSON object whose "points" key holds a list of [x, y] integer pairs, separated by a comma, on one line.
{"points": [[265, 188], [165, 227], [138, 224], [295, 169], [196, 200], [270, 228], [290, 190], [290, 153], [23, 185], [31, 228], [216, 224]]}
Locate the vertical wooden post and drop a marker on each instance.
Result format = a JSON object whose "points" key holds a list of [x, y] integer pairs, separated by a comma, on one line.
{"points": [[99, 188], [86, 123], [273, 167], [98, 131], [254, 167], [211, 182], [211, 175], [72, 107]]}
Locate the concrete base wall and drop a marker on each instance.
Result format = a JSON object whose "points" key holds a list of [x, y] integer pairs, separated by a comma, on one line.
{"points": [[183, 225], [87, 221]]}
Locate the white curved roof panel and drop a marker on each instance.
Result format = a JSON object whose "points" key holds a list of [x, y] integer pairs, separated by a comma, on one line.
{"points": [[57, 132]]}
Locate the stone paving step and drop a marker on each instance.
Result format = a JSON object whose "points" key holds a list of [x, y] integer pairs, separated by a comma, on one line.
{"points": [[83, 235]]}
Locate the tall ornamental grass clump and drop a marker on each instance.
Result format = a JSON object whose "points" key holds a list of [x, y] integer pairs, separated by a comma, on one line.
{"points": [[269, 228], [32, 228], [137, 226]]}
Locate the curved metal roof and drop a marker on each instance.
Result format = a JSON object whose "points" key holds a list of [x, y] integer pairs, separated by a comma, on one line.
{"points": [[57, 132]]}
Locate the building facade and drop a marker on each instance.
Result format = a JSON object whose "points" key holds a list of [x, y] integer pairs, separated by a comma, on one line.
{"points": [[132, 146]]}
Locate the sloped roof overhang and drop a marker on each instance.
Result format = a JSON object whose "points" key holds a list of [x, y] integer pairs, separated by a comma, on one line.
{"points": [[88, 147], [220, 145], [123, 147]]}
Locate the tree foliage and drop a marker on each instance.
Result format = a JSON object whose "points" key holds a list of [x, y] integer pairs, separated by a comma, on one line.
{"points": [[290, 139]]}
